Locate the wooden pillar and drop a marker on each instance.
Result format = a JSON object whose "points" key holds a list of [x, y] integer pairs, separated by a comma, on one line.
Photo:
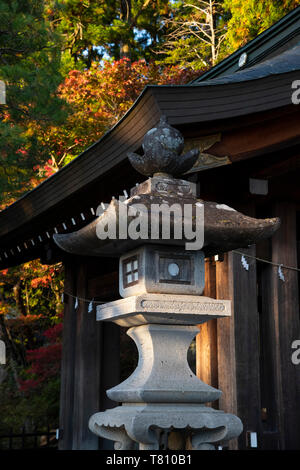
{"points": [[226, 343], [281, 327], [87, 367], [238, 343], [270, 359], [68, 361], [206, 340], [90, 360], [247, 344]]}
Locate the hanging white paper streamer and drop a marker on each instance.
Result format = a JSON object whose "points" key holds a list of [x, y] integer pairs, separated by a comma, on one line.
{"points": [[280, 273], [76, 303], [90, 308], [244, 263]]}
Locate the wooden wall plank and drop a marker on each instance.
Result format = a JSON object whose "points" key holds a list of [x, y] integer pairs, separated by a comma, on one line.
{"points": [[226, 343], [238, 343], [206, 340], [90, 362], [286, 313], [246, 325], [279, 328], [68, 362], [87, 368], [270, 357]]}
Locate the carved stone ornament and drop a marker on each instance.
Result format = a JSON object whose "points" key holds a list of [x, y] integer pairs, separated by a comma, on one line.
{"points": [[163, 146], [129, 425], [163, 309]]}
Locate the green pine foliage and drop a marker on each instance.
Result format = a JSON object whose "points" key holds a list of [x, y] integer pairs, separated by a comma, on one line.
{"points": [[29, 64], [194, 34], [200, 33], [97, 29], [251, 17]]}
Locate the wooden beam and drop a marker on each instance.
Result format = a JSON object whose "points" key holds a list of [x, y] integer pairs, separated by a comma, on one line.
{"points": [[258, 139], [286, 165], [105, 287]]}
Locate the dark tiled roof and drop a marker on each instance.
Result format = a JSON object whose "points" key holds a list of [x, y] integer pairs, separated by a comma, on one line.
{"points": [[288, 61]]}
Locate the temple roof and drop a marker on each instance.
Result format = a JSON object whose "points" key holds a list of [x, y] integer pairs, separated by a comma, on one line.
{"points": [[287, 61], [69, 198]]}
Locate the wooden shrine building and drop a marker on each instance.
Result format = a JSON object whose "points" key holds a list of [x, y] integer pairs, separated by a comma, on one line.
{"points": [[244, 118]]}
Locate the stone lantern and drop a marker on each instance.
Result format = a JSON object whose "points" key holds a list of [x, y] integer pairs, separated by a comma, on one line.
{"points": [[161, 282]]}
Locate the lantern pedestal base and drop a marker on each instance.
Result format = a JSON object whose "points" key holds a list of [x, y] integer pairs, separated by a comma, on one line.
{"points": [[163, 394], [201, 428]]}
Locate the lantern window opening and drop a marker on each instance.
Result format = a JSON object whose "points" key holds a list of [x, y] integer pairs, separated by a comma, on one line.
{"points": [[131, 271]]}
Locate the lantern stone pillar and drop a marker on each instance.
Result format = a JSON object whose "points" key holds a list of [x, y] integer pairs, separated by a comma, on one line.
{"points": [[163, 393]]}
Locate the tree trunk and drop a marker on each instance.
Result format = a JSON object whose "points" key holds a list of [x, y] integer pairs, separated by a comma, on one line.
{"points": [[125, 16]]}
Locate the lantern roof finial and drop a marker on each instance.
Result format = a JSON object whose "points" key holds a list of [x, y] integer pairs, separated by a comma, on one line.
{"points": [[163, 146]]}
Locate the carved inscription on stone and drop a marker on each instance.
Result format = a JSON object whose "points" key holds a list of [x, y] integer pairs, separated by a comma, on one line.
{"points": [[177, 305]]}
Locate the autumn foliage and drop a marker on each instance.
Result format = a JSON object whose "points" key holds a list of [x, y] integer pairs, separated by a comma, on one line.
{"points": [[62, 96], [98, 98], [31, 294], [44, 361]]}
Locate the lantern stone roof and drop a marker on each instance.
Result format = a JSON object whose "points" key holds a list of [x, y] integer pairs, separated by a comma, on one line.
{"points": [[225, 228], [164, 199]]}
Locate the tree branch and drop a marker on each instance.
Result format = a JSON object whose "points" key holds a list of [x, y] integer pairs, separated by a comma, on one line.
{"points": [[144, 6]]}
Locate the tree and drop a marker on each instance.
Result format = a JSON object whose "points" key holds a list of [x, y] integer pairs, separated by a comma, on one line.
{"points": [[195, 33], [251, 17], [30, 324], [29, 63], [99, 97], [97, 29]]}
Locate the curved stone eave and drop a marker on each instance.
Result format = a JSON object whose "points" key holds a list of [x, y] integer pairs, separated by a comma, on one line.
{"points": [[224, 230]]}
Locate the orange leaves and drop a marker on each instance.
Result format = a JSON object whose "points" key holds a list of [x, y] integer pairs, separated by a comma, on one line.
{"points": [[4, 308], [99, 97], [22, 152], [41, 282]]}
